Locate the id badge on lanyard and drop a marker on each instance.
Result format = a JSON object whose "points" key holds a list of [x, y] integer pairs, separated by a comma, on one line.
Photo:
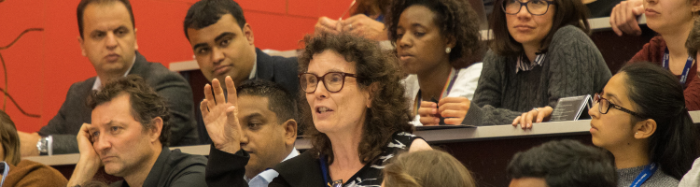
{"points": [[326, 174], [686, 69], [648, 171]]}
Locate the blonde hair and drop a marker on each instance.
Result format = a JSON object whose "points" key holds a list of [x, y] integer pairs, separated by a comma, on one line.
{"points": [[427, 168]]}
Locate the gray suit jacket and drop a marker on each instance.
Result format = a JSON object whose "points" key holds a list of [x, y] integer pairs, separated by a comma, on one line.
{"points": [[174, 88]]}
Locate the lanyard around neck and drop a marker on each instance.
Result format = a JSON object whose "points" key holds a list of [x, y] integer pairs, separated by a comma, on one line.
{"points": [[686, 69], [6, 169], [326, 174], [445, 90], [648, 171]]}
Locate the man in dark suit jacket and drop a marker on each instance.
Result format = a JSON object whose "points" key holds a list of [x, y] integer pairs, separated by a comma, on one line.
{"points": [[109, 42], [223, 46]]}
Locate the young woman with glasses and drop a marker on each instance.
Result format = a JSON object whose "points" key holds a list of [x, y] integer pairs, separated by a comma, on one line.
{"points": [[540, 52], [641, 118]]}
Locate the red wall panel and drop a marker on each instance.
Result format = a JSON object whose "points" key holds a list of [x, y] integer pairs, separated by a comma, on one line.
{"points": [[41, 66]]}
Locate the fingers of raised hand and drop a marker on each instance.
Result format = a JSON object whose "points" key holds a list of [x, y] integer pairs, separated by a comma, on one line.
{"points": [[218, 92]]}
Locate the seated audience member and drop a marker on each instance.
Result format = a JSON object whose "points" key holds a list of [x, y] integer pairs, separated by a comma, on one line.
{"points": [[427, 168], [673, 21], [432, 39], [641, 118], [23, 172], [109, 42], [222, 42], [354, 128], [540, 52], [269, 129], [565, 163], [367, 20], [129, 135]]}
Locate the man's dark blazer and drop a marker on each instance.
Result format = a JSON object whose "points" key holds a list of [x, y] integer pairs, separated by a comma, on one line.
{"points": [[280, 70], [169, 85]]}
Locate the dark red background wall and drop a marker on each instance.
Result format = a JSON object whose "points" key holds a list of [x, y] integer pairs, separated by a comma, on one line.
{"points": [[41, 66]]}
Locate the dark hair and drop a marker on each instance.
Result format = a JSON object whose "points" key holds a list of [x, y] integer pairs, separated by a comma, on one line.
{"points": [[455, 18], [84, 3], [146, 104], [656, 94], [565, 163], [389, 112], [279, 100], [427, 168], [207, 12], [569, 12], [693, 42], [10, 139]]}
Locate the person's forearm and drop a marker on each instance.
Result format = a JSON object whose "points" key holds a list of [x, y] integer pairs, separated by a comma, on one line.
{"points": [[84, 171]]}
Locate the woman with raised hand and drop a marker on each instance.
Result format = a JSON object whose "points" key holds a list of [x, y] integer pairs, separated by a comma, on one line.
{"points": [[641, 118], [433, 39], [359, 118]]}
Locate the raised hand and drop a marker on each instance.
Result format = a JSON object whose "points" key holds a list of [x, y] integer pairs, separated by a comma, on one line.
{"points": [[89, 161], [623, 18], [364, 26], [220, 113]]}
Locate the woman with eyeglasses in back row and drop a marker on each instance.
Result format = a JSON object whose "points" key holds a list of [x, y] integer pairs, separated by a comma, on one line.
{"points": [[540, 52], [642, 119]]}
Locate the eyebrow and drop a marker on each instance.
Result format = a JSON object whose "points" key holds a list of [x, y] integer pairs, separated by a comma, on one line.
{"points": [[417, 25], [218, 38], [613, 97], [200, 45], [222, 35], [252, 115]]}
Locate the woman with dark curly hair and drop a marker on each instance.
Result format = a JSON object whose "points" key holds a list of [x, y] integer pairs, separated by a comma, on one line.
{"points": [[432, 39], [357, 116], [540, 52]]}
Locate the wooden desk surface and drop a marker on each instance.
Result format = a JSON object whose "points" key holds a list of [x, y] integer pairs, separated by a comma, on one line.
{"points": [[441, 136]]}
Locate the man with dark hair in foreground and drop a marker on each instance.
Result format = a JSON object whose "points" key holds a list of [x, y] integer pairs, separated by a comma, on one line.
{"points": [[565, 163]]}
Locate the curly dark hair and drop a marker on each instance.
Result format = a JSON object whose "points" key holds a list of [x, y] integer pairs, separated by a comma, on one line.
{"points": [[568, 12], [456, 20], [146, 104], [389, 112]]}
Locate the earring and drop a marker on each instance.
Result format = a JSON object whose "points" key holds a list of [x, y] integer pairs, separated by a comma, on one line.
{"points": [[448, 50]]}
